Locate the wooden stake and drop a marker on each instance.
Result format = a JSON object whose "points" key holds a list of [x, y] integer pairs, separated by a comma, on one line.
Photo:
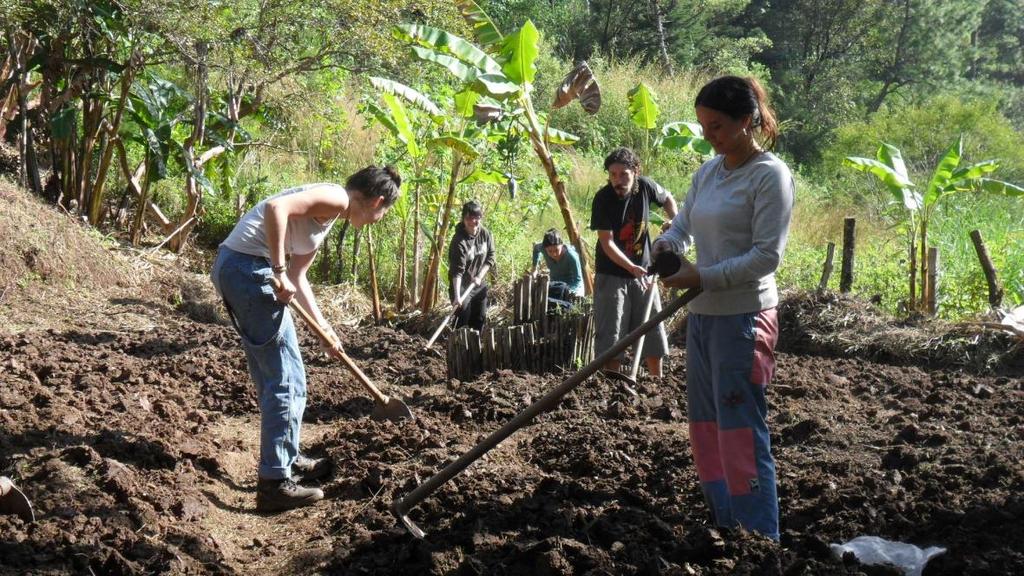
{"points": [[849, 238], [826, 273], [474, 352], [933, 273], [995, 289], [378, 314]]}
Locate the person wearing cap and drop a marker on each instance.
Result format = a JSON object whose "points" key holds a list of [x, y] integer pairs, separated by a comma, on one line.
{"points": [[470, 257], [621, 214], [563, 266]]}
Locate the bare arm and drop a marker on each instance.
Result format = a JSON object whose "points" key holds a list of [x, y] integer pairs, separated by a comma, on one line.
{"points": [[317, 203], [604, 237], [670, 207]]}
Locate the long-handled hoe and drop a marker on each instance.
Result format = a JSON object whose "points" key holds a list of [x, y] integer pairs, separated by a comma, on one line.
{"points": [[458, 306], [386, 407], [401, 506], [448, 318]]}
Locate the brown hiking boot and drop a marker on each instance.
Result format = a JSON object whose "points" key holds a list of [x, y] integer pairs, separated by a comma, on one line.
{"points": [[305, 468], [285, 494]]}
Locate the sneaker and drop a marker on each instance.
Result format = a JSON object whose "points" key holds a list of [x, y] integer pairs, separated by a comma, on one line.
{"points": [[305, 468], [285, 494]]}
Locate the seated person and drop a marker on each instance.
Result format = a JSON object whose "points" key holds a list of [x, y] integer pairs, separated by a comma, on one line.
{"points": [[563, 266]]}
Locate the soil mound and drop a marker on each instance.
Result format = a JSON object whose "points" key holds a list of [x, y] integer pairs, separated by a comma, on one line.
{"points": [[39, 244], [835, 324]]}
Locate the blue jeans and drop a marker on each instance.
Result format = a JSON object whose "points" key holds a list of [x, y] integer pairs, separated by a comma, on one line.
{"points": [[729, 363], [272, 351]]}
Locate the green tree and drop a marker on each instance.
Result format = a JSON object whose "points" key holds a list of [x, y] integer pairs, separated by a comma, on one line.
{"points": [[920, 44], [673, 34]]}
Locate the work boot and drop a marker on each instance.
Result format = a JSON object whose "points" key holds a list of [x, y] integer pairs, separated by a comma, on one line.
{"points": [[305, 468], [284, 494]]}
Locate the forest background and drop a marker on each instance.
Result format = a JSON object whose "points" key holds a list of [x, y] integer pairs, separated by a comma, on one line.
{"points": [[160, 123]]}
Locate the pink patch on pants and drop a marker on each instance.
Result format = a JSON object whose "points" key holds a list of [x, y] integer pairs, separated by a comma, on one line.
{"points": [[740, 465], [704, 440], [766, 335]]}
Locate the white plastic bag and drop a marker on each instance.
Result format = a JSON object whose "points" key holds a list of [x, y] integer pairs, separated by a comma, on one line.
{"points": [[875, 550]]}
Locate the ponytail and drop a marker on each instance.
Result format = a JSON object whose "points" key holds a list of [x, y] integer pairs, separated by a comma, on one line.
{"points": [[740, 97], [764, 118]]}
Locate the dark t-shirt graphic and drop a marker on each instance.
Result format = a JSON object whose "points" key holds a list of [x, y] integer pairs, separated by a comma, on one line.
{"points": [[627, 219]]}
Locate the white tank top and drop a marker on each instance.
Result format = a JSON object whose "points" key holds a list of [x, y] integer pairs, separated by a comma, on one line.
{"points": [[303, 236]]}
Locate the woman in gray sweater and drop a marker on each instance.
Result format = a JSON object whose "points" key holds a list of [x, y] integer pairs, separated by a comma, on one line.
{"points": [[737, 215]]}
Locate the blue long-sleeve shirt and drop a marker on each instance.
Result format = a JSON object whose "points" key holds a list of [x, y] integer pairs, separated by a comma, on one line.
{"points": [[565, 270], [739, 222]]}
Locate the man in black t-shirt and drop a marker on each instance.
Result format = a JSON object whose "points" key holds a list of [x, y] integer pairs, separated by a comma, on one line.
{"points": [[621, 214]]}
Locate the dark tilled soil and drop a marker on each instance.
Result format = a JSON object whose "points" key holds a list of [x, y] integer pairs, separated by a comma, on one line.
{"points": [[118, 438]]}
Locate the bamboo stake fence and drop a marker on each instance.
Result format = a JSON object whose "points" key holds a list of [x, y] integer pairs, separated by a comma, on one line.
{"points": [[537, 341]]}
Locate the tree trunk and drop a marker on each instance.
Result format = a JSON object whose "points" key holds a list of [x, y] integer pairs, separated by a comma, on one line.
{"points": [[9, 99], [140, 210], [539, 146], [659, 27], [26, 145], [893, 70], [92, 125], [417, 248], [431, 282], [107, 149], [193, 191]]}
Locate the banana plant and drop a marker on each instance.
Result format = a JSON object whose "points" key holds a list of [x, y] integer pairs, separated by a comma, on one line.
{"points": [[410, 127], [644, 111], [947, 178], [450, 134], [501, 72], [155, 107]]}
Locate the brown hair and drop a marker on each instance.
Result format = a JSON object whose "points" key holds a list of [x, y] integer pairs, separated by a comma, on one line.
{"points": [[739, 97], [374, 181]]}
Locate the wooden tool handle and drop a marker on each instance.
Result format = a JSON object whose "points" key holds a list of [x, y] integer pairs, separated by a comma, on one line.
{"points": [[648, 306], [315, 327], [549, 401], [458, 305]]}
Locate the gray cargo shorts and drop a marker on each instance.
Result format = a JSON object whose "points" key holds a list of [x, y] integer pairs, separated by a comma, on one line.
{"points": [[619, 309]]}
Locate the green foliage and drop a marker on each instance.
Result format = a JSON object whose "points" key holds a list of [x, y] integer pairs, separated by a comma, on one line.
{"points": [[519, 54], [612, 126], [947, 179], [701, 35], [923, 133], [643, 108]]}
